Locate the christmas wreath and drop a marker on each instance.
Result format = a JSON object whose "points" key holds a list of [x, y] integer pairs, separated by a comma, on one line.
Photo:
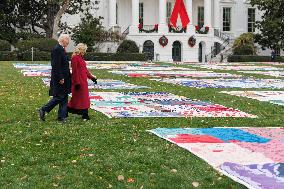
{"points": [[163, 41], [192, 41]]}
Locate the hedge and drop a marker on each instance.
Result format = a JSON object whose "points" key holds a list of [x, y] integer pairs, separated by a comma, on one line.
{"points": [[6, 55], [38, 56], [5, 45], [253, 58], [41, 44], [115, 57], [45, 56]]}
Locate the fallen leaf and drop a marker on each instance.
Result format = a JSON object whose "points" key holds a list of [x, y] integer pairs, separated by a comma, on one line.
{"points": [[195, 184], [130, 180], [173, 171], [55, 185], [120, 178]]}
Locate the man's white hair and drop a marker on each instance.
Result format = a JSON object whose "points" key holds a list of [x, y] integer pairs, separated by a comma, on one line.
{"points": [[63, 37]]}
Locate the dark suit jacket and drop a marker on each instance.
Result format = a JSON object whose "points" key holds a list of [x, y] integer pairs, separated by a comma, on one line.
{"points": [[60, 70]]}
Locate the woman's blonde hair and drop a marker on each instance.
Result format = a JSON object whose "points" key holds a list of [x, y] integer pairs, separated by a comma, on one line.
{"points": [[80, 49]]}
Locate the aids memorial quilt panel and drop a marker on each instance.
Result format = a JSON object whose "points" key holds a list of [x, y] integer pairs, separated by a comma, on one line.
{"points": [[226, 83], [175, 74], [25, 66], [36, 73], [253, 157], [105, 84], [275, 97], [157, 104], [268, 73], [239, 68]]}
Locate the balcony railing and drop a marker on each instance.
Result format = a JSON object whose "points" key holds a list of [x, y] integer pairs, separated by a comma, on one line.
{"points": [[148, 28], [222, 35]]}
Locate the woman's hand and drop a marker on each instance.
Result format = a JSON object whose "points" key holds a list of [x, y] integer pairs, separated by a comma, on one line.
{"points": [[95, 80]]}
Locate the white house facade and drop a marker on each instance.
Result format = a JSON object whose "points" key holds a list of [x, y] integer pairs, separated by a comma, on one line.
{"points": [[213, 25]]}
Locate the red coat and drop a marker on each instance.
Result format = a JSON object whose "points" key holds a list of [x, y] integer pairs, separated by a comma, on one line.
{"points": [[80, 98]]}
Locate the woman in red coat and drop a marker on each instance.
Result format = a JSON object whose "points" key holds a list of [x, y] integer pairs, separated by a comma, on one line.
{"points": [[80, 100]]}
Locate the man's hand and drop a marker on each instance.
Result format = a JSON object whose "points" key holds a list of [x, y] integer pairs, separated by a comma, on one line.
{"points": [[61, 81]]}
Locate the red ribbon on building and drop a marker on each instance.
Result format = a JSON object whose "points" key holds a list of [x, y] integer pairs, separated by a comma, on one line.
{"points": [[179, 9]]}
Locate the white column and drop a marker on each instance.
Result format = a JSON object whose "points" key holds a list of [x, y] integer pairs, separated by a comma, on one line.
{"points": [[133, 29], [189, 8], [217, 14], [163, 27], [208, 13], [112, 13]]}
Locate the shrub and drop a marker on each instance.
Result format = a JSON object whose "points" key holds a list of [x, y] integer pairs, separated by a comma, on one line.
{"points": [[115, 57], [7, 56], [92, 56], [41, 44], [244, 45], [45, 56], [38, 56], [244, 50], [5, 45], [128, 46]]}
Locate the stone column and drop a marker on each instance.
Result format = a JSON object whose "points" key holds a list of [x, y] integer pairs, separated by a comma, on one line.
{"points": [[133, 29], [163, 27], [208, 13], [189, 8], [217, 13], [112, 13]]}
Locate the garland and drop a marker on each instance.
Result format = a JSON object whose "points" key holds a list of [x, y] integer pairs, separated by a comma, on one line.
{"points": [[202, 30], [141, 29], [163, 41], [175, 30]]}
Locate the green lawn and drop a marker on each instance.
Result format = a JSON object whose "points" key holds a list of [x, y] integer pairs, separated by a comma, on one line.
{"points": [[36, 154]]}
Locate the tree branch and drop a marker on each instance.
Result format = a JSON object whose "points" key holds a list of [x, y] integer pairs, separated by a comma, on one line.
{"points": [[58, 17]]}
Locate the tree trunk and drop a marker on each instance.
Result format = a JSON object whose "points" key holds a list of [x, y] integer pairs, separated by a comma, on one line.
{"points": [[58, 17], [52, 10]]}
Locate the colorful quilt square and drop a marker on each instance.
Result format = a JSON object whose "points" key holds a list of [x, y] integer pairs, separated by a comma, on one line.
{"points": [[226, 83], [174, 74], [105, 84], [274, 97], [252, 156], [157, 104]]}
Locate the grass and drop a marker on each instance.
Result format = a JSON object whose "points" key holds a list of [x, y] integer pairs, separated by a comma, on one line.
{"points": [[93, 154]]}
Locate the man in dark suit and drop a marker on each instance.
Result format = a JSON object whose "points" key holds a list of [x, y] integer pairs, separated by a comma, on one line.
{"points": [[60, 84]]}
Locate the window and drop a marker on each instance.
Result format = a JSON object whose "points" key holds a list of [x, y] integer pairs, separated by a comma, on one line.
{"points": [[169, 11], [226, 19], [251, 20], [200, 18], [141, 12]]}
